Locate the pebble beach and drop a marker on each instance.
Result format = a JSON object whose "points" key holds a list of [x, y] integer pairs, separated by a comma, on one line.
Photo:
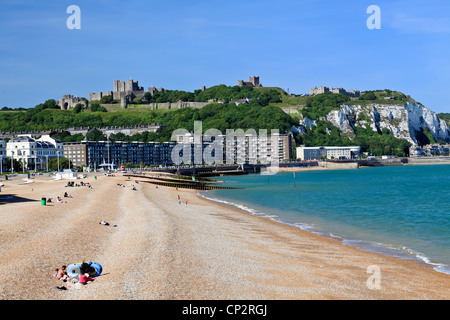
{"points": [[161, 249]]}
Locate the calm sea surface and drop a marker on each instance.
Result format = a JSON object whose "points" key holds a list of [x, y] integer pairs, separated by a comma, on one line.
{"points": [[398, 211]]}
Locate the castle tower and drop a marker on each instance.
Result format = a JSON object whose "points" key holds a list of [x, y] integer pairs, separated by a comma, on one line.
{"points": [[255, 81]]}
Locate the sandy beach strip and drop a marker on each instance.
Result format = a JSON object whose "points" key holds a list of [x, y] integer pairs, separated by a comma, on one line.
{"points": [[162, 249]]}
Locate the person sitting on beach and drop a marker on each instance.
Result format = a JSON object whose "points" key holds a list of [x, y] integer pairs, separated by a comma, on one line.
{"points": [[49, 200], [66, 195], [84, 278], [62, 274], [60, 200]]}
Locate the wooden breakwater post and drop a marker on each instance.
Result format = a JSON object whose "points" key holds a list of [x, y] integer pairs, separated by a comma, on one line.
{"points": [[195, 186]]}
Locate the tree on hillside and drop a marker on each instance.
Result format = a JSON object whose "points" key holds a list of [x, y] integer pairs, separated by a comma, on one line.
{"points": [[78, 108], [95, 135], [321, 104], [96, 107], [368, 96]]}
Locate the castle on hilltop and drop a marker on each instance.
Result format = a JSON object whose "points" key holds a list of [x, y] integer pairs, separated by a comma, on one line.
{"points": [[319, 90], [69, 101], [254, 82], [125, 91]]}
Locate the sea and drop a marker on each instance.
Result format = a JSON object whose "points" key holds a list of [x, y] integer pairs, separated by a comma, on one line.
{"points": [[400, 211]]}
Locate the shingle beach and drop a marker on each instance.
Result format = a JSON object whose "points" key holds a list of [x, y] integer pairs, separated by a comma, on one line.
{"points": [[161, 249]]}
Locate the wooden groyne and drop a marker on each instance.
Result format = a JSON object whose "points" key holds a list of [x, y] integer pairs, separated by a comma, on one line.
{"points": [[221, 173], [197, 186], [184, 182]]}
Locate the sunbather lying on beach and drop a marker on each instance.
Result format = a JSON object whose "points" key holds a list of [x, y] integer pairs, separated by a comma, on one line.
{"points": [[105, 223]]}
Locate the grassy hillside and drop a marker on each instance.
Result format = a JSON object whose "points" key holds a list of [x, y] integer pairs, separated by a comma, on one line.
{"points": [[263, 112], [445, 117], [220, 116]]}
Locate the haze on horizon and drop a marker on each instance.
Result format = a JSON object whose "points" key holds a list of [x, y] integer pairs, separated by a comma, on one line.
{"points": [[183, 45]]}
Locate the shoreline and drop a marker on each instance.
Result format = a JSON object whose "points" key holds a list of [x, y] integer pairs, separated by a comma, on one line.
{"points": [[370, 247], [170, 250]]}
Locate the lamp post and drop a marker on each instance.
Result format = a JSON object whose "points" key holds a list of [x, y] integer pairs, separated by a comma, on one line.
{"points": [[23, 159], [12, 161], [57, 152]]}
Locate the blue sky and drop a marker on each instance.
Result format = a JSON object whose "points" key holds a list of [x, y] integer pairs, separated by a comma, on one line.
{"points": [[183, 45]]}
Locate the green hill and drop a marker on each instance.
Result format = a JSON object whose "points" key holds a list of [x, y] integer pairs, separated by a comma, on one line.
{"points": [[263, 112]]}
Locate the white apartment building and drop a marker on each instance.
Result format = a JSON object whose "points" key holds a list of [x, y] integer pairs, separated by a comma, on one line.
{"points": [[338, 153], [34, 153], [240, 149]]}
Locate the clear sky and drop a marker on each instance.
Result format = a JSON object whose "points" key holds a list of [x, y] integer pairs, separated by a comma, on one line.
{"points": [[292, 44]]}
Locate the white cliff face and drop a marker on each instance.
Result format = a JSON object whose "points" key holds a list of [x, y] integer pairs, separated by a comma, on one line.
{"points": [[339, 119], [402, 120], [419, 117]]}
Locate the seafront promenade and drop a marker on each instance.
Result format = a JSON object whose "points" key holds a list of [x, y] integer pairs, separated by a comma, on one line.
{"points": [[192, 248]]}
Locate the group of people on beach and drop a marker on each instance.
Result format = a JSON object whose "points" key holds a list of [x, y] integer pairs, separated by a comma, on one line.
{"points": [[66, 195], [124, 186], [58, 200], [81, 184], [81, 279]]}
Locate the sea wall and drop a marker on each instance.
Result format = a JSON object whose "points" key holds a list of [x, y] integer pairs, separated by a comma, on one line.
{"points": [[428, 160], [338, 165]]}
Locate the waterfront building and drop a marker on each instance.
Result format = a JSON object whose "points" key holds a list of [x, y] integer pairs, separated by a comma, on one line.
{"points": [[34, 153], [237, 148], [76, 153], [316, 153], [93, 154], [187, 149]]}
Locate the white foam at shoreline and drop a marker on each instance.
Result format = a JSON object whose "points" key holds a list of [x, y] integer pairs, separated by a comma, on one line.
{"points": [[403, 253]]}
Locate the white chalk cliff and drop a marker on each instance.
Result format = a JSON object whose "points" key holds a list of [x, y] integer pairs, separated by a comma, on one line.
{"points": [[402, 120]]}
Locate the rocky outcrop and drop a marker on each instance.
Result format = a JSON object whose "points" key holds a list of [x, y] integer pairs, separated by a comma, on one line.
{"points": [[402, 121]]}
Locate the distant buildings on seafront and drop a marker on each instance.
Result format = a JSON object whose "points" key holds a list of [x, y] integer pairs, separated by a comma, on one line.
{"points": [[187, 149], [31, 153], [34, 154], [338, 153], [429, 150]]}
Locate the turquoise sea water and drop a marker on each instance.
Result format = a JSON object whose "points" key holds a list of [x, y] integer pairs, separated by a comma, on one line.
{"points": [[399, 211]]}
